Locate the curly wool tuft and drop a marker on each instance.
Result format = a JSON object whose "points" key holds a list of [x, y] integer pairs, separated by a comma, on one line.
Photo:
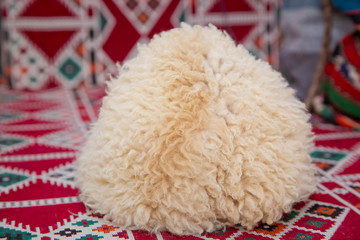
{"points": [[196, 134]]}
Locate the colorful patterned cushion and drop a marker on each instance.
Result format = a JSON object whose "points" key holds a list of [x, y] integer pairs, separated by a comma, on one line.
{"points": [[343, 84], [350, 7]]}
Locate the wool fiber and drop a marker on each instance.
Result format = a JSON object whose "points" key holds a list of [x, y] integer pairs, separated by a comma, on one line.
{"points": [[196, 134]]}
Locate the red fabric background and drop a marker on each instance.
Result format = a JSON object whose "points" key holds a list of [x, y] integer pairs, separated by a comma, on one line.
{"points": [[67, 43]]}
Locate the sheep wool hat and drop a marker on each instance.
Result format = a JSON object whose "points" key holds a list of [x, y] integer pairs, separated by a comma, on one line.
{"points": [[196, 134]]}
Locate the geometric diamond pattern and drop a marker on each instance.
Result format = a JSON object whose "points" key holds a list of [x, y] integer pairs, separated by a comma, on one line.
{"points": [[71, 138], [122, 234], [67, 232], [8, 233], [64, 174], [272, 230], [105, 228], [85, 223], [314, 223], [93, 35], [69, 69], [325, 211], [26, 164], [10, 141], [7, 179], [302, 235], [328, 155], [90, 236], [4, 117], [289, 216]]}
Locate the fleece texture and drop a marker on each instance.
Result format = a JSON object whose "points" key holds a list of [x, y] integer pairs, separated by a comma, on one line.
{"points": [[196, 134]]}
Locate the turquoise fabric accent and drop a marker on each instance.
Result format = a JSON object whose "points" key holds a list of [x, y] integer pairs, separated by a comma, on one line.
{"points": [[348, 5]]}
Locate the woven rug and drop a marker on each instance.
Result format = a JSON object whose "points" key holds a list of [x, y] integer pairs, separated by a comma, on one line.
{"points": [[72, 42], [40, 136]]}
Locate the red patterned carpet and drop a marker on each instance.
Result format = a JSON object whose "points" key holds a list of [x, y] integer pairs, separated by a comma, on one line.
{"points": [[40, 135]]}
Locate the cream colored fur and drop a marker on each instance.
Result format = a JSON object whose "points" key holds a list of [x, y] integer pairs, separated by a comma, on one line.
{"points": [[196, 134]]}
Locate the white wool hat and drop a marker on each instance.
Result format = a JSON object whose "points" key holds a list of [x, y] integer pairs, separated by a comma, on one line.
{"points": [[196, 134]]}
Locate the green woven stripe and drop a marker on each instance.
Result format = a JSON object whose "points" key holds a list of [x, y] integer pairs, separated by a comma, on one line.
{"points": [[341, 102]]}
